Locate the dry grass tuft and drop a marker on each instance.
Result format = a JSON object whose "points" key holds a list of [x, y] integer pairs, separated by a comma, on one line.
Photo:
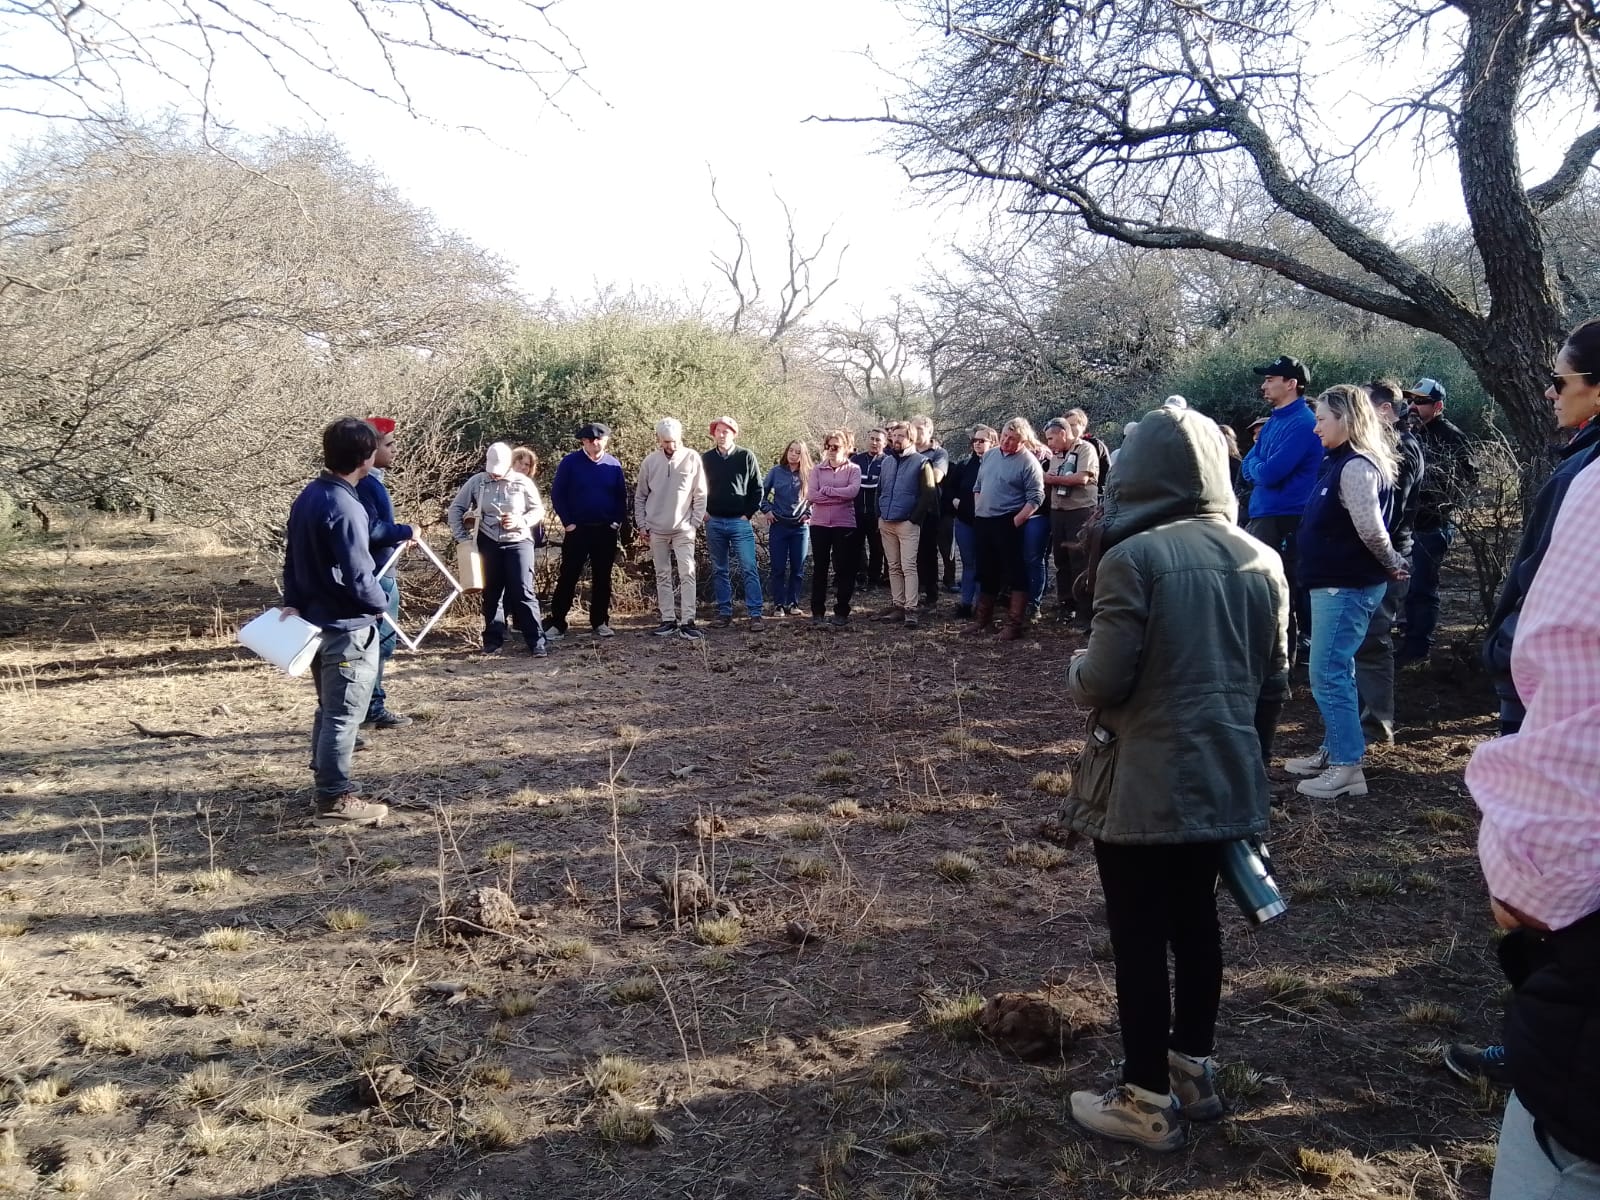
{"points": [[626, 1125], [835, 774], [955, 866], [809, 829], [1332, 1165], [955, 1016], [844, 808], [1052, 783], [613, 1073], [886, 1073], [839, 758], [1431, 1012], [636, 989], [571, 948], [1374, 884], [892, 822], [720, 931], [218, 880], [205, 1082], [909, 1141], [112, 1030], [491, 1130], [203, 995], [501, 850], [346, 920], [85, 943], [1291, 990], [808, 866], [516, 1004], [1238, 1081], [13, 929], [231, 938], [494, 1075], [46, 1089], [275, 1105], [1443, 820], [209, 1139], [101, 1100], [1039, 855]]}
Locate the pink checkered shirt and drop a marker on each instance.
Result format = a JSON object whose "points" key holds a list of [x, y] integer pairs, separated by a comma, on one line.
{"points": [[1539, 790]]}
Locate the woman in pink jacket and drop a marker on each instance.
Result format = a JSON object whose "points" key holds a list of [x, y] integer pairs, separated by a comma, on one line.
{"points": [[834, 536]]}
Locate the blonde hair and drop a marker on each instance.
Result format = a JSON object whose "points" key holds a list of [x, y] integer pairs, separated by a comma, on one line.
{"points": [[803, 470], [1369, 437], [527, 455], [1021, 427]]}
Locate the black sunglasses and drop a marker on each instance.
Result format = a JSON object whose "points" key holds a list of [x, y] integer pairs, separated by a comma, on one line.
{"points": [[1559, 380]]}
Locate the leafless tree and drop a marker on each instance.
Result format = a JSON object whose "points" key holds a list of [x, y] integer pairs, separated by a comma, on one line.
{"points": [[90, 59], [1138, 120], [177, 322]]}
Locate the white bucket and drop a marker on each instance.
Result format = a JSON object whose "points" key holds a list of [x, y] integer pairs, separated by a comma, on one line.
{"points": [[287, 643], [469, 567]]}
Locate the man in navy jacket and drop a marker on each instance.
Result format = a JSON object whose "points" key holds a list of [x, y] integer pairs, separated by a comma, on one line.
{"points": [[329, 579], [383, 536], [590, 497], [1282, 469]]}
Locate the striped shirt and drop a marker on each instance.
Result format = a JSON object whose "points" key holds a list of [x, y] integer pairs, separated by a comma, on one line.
{"points": [[1539, 790]]}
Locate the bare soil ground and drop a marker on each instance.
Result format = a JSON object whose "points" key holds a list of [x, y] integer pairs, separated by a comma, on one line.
{"points": [[205, 995]]}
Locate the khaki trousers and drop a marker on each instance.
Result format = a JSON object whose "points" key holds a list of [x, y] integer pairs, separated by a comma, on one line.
{"points": [[665, 548], [900, 541]]}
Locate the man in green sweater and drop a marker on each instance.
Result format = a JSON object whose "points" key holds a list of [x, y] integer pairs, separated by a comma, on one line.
{"points": [[733, 494]]}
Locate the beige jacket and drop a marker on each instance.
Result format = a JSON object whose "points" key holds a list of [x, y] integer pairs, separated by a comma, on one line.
{"points": [[670, 493]]}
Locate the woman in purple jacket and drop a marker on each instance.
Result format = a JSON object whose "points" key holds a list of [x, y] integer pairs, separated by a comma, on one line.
{"points": [[835, 481]]}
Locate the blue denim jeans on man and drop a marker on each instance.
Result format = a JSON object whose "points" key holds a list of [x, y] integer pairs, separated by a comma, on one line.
{"points": [[1422, 602], [344, 670], [967, 546], [388, 638], [725, 535], [788, 545], [1339, 620]]}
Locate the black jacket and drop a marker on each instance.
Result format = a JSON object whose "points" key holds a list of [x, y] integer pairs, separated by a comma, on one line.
{"points": [[958, 485], [1553, 1030], [1578, 454], [1449, 476], [1400, 513]]}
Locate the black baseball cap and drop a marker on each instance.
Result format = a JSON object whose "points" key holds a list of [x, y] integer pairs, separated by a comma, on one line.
{"points": [[1427, 391], [1287, 368], [594, 429]]}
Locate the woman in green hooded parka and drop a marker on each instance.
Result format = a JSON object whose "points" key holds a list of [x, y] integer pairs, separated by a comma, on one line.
{"points": [[1187, 659]]}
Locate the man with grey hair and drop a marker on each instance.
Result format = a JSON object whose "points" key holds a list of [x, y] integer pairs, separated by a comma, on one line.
{"points": [[669, 506]]}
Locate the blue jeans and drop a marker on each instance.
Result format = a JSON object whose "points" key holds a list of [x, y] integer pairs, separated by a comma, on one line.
{"points": [[344, 670], [388, 638], [725, 534], [1339, 620], [788, 546], [967, 544], [1422, 601], [1036, 553], [1530, 1165]]}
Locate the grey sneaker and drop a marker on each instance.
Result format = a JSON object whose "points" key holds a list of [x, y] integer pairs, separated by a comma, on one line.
{"points": [[690, 632], [665, 629], [1478, 1062], [386, 719], [604, 631], [721, 621], [757, 624], [555, 632], [1194, 1083], [351, 809], [1311, 764], [540, 649], [1125, 1117], [910, 621]]}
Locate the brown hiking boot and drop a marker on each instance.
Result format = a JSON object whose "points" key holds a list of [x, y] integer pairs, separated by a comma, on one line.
{"points": [[982, 617], [894, 613], [351, 809], [1016, 618]]}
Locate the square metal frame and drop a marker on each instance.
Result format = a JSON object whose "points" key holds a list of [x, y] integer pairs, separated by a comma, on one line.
{"points": [[455, 590]]}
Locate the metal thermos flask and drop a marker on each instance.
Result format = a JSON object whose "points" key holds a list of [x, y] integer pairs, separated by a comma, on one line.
{"points": [[1247, 870]]}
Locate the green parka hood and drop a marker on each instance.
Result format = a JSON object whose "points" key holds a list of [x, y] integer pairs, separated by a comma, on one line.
{"points": [[1173, 465]]}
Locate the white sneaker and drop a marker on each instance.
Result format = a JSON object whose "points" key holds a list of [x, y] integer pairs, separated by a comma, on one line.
{"points": [[604, 631], [1335, 782], [1130, 1114], [1311, 764]]}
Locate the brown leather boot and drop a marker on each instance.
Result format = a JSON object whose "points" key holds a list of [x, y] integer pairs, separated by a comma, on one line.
{"points": [[1016, 617], [982, 617]]}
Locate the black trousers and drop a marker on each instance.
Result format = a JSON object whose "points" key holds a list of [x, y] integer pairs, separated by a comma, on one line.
{"points": [[1282, 534], [928, 559], [1072, 556], [1001, 566], [507, 574], [841, 548], [872, 571], [1159, 897], [595, 545]]}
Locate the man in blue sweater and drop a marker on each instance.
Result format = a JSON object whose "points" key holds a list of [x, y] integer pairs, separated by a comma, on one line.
{"points": [[590, 497], [383, 536], [1282, 469], [328, 578]]}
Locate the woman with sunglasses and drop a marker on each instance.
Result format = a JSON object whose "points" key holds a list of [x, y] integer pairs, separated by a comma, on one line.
{"points": [[835, 540], [1574, 393]]}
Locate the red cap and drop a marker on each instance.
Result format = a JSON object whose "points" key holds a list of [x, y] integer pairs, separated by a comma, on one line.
{"points": [[384, 425]]}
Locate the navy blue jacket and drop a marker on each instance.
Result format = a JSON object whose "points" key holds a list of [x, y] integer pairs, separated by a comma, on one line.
{"points": [[1332, 554], [1283, 463], [328, 572], [384, 533], [900, 485], [1582, 450], [589, 491]]}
